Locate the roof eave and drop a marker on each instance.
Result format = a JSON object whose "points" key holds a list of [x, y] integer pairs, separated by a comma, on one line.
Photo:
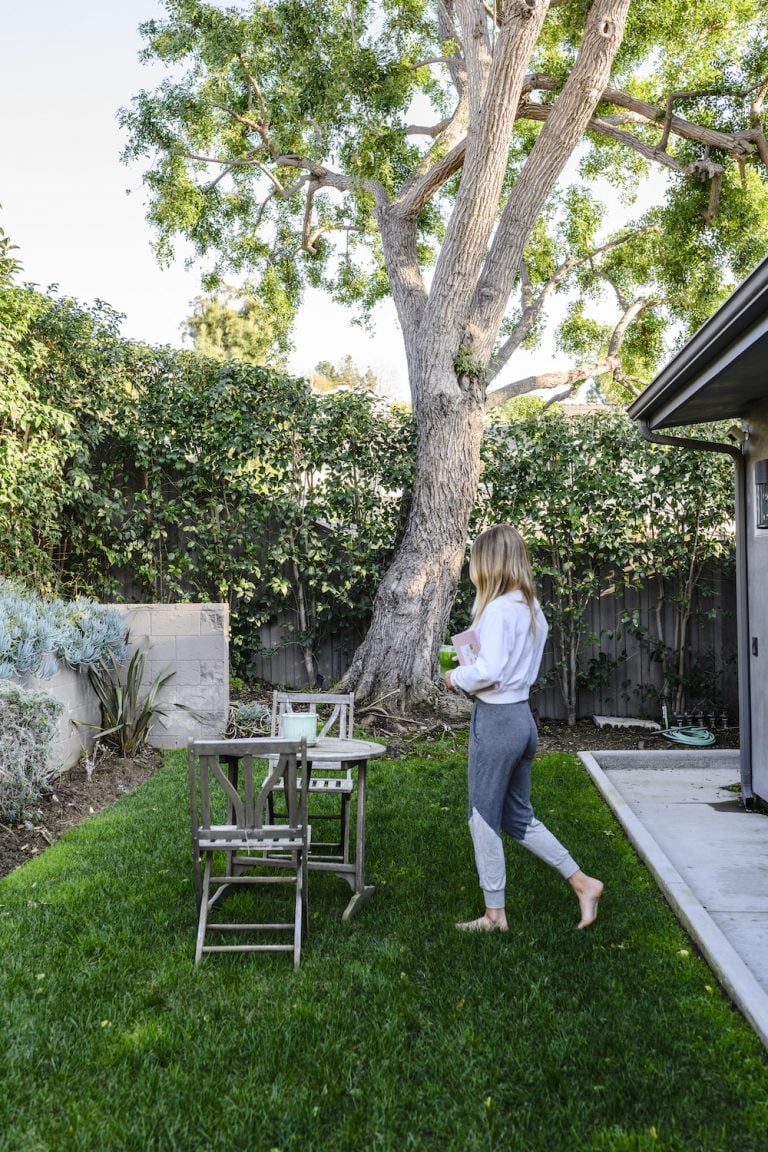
{"points": [[681, 377]]}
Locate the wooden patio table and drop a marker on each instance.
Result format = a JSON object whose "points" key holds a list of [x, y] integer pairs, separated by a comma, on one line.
{"points": [[356, 753]]}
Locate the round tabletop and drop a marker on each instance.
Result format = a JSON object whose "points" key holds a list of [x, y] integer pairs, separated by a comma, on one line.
{"points": [[332, 748]]}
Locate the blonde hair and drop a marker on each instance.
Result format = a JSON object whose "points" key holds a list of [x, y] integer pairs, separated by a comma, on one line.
{"points": [[500, 563]]}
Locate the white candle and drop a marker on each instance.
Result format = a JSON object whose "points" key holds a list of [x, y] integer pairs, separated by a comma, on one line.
{"points": [[298, 724]]}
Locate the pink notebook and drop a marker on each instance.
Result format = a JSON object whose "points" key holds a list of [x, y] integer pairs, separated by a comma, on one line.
{"points": [[467, 645]]}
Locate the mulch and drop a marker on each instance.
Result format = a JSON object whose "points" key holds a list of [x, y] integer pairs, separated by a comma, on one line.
{"points": [[76, 797]]}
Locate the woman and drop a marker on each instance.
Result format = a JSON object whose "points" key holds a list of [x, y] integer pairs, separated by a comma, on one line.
{"points": [[512, 630]]}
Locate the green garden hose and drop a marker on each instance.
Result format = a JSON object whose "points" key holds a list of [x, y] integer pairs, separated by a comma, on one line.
{"points": [[691, 737]]}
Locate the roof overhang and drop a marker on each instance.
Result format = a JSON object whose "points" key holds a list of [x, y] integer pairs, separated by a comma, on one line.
{"points": [[723, 369]]}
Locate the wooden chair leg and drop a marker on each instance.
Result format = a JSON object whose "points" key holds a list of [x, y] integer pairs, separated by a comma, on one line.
{"points": [[198, 878], [305, 890], [345, 801], [203, 908], [299, 922]]}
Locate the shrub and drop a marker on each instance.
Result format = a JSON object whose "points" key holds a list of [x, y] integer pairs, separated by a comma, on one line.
{"points": [[28, 723], [128, 709]]}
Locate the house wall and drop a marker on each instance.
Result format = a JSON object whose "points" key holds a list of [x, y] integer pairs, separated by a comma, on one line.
{"points": [[757, 583]]}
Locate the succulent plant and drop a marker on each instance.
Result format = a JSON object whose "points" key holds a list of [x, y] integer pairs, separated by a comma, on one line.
{"points": [[38, 635]]}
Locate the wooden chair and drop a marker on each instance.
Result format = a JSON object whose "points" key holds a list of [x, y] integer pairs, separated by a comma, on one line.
{"points": [[335, 717], [229, 798]]}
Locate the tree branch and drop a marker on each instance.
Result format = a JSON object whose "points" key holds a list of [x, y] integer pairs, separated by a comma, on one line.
{"points": [[671, 99], [253, 87], [631, 312], [495, 12], [738, 144], [477, 53], [633, 384], [418, 192], [448, 30], [570, 377], [642, 111], [428, 129], [564, 127], [560, 396], [414, 195], [485, 163], [707, 170], [327, 178], [423, 182], [532, 307], [307, 225], [595, 124], [757, 104], [432, 60]]}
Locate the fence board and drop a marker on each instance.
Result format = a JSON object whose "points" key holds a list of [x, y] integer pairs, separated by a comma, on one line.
{"points": [[634, 681]]}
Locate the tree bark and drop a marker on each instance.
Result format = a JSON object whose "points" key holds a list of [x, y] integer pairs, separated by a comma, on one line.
{"points": [[449, 330], [399, 657]]}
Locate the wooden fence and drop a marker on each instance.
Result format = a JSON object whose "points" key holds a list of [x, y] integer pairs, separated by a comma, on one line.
{"points": [[631, 682]]}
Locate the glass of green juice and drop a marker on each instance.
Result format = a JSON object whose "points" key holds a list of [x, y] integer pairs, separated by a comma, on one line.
{"points": [[447, 657]]}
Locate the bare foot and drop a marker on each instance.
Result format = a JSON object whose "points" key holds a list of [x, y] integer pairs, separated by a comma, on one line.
{"points": [[588, 890], [485, 923]]}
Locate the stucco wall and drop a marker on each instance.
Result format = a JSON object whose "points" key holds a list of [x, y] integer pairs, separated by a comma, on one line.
{"points": [[80, 704]]}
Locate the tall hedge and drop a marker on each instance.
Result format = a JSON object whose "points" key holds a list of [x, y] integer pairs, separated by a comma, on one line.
{"points": [[130, 472], [170, 476]]}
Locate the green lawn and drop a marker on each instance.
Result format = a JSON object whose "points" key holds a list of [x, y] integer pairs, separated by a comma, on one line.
{"points": [[397, 1032]]}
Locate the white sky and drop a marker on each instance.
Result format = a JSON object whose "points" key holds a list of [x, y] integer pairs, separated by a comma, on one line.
{"points": [[67, 66]]}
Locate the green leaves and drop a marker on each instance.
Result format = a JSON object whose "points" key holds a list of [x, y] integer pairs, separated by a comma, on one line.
{"points": [[601, 508], [128, 711], [186, 477]]}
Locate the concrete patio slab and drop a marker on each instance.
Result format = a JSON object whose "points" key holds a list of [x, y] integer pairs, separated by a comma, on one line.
{"points": [[708, 854]]}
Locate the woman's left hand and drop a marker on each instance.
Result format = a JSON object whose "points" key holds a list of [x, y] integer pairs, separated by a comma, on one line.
{"points": [[447, 680]]}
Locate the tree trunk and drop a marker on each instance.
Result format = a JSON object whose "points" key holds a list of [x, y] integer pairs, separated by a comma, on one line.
{"points": [[398, 660], [462, 313]]}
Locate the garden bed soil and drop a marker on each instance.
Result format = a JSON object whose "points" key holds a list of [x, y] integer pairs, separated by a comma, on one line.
{"points": [[75, 796]]}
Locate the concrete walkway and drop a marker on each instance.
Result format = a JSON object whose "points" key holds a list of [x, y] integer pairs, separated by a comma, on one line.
{"points": [[709, 856]]}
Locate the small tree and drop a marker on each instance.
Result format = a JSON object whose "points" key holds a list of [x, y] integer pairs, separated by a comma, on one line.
{"points": [[327, 376], [234, 325]]}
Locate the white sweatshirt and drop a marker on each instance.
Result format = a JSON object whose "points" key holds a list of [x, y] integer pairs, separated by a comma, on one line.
{"points": [[510, 652]]}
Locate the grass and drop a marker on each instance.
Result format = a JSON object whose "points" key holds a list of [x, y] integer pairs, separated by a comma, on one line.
{"points": [[397, 1032]]}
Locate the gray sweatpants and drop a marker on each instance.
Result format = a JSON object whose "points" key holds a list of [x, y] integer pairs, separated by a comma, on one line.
{"points": [[502, 744]]}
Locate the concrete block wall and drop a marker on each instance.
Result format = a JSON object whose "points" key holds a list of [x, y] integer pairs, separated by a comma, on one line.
{"points": [[192, 641], [80, 704]]}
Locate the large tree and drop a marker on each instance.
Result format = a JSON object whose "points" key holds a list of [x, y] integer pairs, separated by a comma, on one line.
{"points": [[421, 148]]}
